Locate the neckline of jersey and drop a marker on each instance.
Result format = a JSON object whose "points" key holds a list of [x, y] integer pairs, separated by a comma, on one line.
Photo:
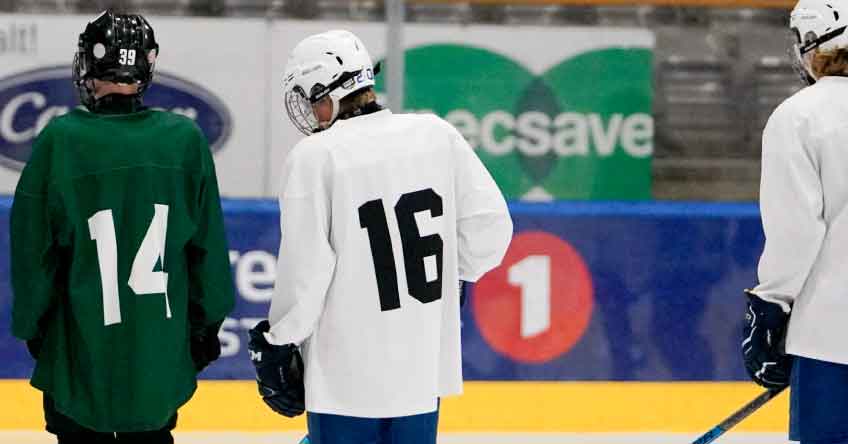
{"points": [[127, 116], [382, 112], [833, 79]]}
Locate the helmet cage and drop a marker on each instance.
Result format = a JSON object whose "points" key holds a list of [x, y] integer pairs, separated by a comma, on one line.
{"points": [[300, 111], [84, 88]]}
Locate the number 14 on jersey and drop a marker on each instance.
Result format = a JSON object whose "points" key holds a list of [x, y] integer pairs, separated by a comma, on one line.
{"points": [[143, 280]]}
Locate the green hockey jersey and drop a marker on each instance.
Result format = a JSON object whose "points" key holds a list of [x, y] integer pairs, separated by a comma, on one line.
{"points": [[118, 253]]}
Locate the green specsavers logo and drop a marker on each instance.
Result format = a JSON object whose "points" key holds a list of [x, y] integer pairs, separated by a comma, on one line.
{"points": [[581, 130]]}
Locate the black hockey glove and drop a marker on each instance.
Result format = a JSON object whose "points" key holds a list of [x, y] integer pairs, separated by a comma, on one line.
{"points": [[205, 346], [462, 294], [34, 346], [279, 373], [763, 343]]}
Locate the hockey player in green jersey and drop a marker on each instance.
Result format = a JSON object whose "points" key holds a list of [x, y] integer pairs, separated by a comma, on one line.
{"points": [[120, 266]]}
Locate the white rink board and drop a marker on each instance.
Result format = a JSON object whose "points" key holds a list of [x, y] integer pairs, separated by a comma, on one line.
{"points": [[241, 62], [31, 437], [226, 57]]}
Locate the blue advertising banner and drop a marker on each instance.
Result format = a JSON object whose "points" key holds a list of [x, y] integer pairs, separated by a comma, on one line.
{"points": [[587, 291]]}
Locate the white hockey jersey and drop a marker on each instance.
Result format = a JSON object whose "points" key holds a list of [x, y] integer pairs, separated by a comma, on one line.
{"points": [[381, 215], [804, 206]]}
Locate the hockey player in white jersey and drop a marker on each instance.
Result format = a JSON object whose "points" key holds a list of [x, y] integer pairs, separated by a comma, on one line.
{"points": [[381, 215], [803, 272]]}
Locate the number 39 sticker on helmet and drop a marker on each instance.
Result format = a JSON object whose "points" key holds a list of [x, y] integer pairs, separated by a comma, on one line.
{"points": [[118, 48]]}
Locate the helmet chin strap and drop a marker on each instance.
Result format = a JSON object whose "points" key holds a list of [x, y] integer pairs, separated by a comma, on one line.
{"points": [[813, 44]]}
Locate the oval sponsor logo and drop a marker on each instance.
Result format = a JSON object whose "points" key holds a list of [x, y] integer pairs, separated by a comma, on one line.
{"points": [[29, 100]]}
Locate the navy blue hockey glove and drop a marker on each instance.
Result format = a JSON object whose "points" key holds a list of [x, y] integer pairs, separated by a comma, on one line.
{"points": [[279, 372], [763, 343]]}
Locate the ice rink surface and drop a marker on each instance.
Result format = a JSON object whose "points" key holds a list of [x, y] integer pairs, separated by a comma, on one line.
{"points": [[34, 437]]}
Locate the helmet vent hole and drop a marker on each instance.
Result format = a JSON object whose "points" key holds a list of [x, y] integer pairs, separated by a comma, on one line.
{"points": [[835, 15], [99, 50], [339, 59]]}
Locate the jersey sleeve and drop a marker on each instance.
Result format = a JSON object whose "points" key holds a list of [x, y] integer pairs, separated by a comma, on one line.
{"points": [[34, 258], [484, 227], [792, 208], [211, 293], [306, 259]]}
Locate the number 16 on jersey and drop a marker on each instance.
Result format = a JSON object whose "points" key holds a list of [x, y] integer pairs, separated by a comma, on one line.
{"points": [[418, 251]]}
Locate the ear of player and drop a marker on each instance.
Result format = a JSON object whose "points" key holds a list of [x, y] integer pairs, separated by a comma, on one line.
{"points": [[279, 372], [763, 346]]}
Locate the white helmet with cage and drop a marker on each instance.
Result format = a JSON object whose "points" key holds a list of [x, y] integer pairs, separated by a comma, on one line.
{"points": [[817, 24], [332, 64]]}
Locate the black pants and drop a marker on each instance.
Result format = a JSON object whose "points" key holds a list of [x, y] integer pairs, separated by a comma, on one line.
{"points": [[69, 432]]}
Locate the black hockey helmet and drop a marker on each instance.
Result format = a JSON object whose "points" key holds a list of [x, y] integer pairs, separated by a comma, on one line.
{"points": [[118, 48]]}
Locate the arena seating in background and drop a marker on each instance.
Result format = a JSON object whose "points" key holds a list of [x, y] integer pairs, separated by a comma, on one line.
{"points": [[699, 139], [438, 13], [696, 109]]}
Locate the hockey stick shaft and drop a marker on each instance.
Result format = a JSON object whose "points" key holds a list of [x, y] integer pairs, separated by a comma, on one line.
{"points": [[738, 416]]}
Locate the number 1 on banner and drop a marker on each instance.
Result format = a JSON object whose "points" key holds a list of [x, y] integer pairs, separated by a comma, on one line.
{"points": [[533, 275], [143, 280]]}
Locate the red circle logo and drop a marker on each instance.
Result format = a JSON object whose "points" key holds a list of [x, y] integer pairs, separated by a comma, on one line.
{"points": [[537, 304]]}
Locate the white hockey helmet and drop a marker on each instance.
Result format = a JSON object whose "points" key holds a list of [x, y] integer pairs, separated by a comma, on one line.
{"points": [[817, 24], [333, 63]]}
